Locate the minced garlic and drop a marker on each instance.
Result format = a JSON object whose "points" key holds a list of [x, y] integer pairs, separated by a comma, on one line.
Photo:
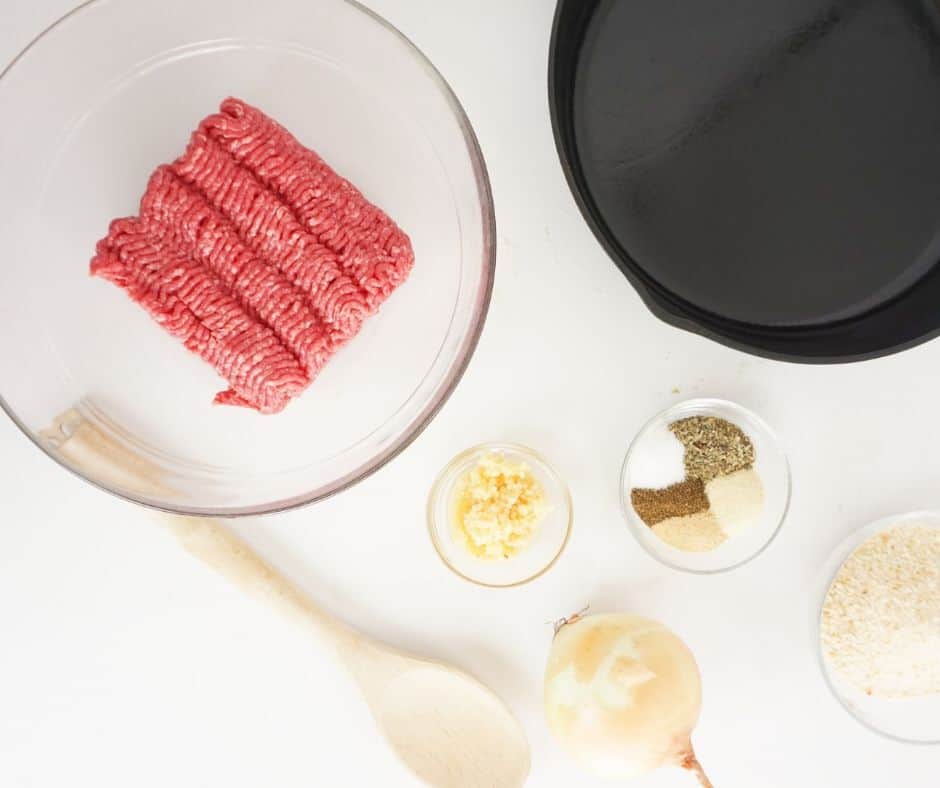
{"points": [[497, 506]]}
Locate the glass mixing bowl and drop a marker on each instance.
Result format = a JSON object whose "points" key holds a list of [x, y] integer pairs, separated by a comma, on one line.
{"points": [[112, 90]]}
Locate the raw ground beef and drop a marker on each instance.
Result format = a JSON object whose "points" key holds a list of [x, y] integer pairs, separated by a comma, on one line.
{"points": [[256, 255]]}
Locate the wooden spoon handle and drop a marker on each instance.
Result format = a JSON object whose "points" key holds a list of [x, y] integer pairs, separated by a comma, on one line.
{"points": [[80, 443], [215, 545]]}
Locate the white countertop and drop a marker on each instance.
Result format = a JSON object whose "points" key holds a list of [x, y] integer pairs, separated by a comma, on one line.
{"points": [[124, 662]]}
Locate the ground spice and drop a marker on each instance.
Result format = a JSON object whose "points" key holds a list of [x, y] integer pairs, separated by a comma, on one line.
{"points": [[713, 447], [736, 500], [677, 500], [695, 533]]}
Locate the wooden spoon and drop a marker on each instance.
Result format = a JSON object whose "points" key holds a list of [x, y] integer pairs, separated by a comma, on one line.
{"points": [[444, 725]]}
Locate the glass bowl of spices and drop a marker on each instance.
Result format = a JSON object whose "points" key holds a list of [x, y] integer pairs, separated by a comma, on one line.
{"points": [[499, 515], [705, 486], [877, 621]]}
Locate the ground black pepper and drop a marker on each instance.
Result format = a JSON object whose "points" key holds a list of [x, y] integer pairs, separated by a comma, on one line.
{"points": [[677, 500]]}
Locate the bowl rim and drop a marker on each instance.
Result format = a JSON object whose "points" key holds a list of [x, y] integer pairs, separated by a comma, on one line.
{"points": [[826, 574], [476, 451], [467, 345], [630, 516]]}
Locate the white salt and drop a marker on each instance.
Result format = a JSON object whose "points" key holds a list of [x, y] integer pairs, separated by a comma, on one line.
{"points": [[657, 460]]}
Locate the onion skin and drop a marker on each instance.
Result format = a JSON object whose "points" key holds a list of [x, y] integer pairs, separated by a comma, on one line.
{"points": [[622, 695]]}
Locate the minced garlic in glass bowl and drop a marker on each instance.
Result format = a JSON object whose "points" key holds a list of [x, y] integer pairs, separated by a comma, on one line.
{"points": [[497, 505], [499, 515]]}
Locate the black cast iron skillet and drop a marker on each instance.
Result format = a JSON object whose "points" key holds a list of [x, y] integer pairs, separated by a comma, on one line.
{"points": [[764, 172]]}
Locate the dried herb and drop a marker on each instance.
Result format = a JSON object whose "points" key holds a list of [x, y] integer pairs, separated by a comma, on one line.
{"points": [[713, 447]]}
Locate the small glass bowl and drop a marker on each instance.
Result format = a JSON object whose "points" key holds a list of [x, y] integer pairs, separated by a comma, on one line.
{"points": [[548, 542], [908, 720], [770, 463]]}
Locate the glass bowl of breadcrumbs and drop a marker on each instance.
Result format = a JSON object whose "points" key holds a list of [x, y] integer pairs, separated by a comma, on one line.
{"points": [[877, 623]]}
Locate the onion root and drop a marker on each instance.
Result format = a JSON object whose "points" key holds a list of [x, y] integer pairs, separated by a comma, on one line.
{"points": [[691, 763]]}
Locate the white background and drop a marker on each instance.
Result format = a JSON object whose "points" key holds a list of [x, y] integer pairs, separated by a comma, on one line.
{"points": [[123, 662]]}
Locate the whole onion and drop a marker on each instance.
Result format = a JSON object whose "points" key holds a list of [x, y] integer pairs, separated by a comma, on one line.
{"points": [[622, 695]]}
